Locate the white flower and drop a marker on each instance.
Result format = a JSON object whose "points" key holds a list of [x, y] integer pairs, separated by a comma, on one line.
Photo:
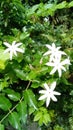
{"points": [[54, 52], [49, 93], [58, 65], [13, 49]]}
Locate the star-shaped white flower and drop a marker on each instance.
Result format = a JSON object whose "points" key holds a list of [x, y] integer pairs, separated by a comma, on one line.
{"points": [[54, 52], [49, 93], [13, 49], [58, 65]]}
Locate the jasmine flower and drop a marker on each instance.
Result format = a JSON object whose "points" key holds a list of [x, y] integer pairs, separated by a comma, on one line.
{"points": [[13, 49], [49, 93], [54, 52]]}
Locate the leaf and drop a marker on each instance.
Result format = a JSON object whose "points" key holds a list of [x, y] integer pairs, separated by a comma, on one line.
{"points": [[3, 58], [70, 4], [1, 127], [38, 116], [4, 103], [62, 5], [31, 110], [35, 85], [22, 111], [14, 120], [30, 97], [20, 74], [46, 118], [15, 96], [24, 35]]}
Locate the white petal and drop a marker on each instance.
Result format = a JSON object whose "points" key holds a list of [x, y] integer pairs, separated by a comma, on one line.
{"points": [[42, 97], [18, 44], [7, 50], [62, 53], [20, 50], [42, 91], [53, 85], [11, 54], [46, 86], [53, 70], [56, 93], [15, 53], [47, 101], [63, 68], [50, 64], [47, 53], [60, 72], [7, 44], [53, 98], [53, 46], [66, 61], [48, 46], [13, 43]]}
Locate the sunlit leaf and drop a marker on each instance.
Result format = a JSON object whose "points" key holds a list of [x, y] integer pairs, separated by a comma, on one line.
{"points": [[15, 96], [14, 120], [1, 127], [22, 110], [30, 97], [5, 104]]}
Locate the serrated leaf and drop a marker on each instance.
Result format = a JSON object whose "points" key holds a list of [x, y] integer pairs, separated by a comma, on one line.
{"points": [[1, 127], [30, 97], [38, 116], [15, 96], [4, 103], [22, 110], [14, 120], [46, 118]]}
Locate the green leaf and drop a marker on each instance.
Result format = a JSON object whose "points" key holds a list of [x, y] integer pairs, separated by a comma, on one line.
{"points": [[62, 5], [20, 74], [46, 118], [24, 35], [70, 4], [35, 85], [14, 120], [22, 111], [31, 110], [30, 97], [38, 116], [4, 103], [3, 58], [1, 127], [3, 84], [15, 96]]}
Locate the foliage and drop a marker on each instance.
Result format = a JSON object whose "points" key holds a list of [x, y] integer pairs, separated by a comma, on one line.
{"points": [[35, 24]]}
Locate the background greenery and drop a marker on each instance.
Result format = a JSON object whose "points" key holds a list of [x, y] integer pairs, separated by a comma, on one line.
{"points": [[35, 24]]}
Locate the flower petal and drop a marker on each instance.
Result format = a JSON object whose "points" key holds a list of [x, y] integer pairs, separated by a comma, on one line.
{"points": [[47, 101], [54, 98], [59, 72], [53, 70], [56, 93], [42, 91], [46, 86], [7, 44], [53, 85], [18, 44], [42, 97], [47, 53]]}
